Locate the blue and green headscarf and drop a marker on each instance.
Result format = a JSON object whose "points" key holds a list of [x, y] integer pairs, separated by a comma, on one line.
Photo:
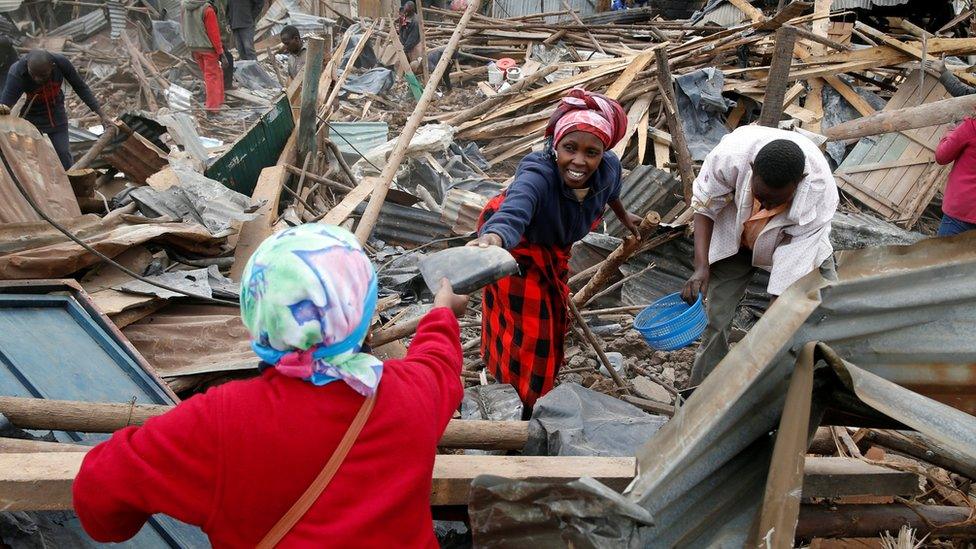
{"points": [[307, 296]]}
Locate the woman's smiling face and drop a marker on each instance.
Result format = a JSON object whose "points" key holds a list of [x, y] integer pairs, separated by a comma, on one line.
{"points": [[578, 155]]}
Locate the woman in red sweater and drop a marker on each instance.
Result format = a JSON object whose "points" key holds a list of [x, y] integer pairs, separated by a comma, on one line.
{"points": [[235, 459], [959, 199]]}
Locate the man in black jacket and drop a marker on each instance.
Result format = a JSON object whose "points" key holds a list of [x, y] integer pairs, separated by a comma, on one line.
{"points": [[39, 75], [243, 15]]}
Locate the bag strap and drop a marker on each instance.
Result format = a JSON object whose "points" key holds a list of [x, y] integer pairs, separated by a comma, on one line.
{"points": [[301, 506]]}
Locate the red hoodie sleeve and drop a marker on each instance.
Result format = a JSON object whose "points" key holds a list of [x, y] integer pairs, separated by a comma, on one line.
{"points": [[169, 465], [955, 141], [436, 347], [213, 29]]}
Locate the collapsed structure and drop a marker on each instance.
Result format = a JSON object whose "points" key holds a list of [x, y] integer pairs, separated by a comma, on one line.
{"points": [[880, 360]]}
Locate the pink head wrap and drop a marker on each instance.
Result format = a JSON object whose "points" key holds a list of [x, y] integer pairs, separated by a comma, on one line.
{"points": [[588, 112]]}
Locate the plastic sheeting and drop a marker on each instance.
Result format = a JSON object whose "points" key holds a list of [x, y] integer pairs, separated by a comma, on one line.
{"points": [[376, 81], [196, 199], [168, 37], [251, 75], [837, 110], [367, 58], [572, 420], [701, 106]]}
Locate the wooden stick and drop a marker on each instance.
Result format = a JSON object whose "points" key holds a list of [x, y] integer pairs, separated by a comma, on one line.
{"points": [[608, 267], [572, 13], [596, 347], [108, 134], [108, 417], [423, 43], [372, 213], [778, 80], [678, 141], [337, 87]]}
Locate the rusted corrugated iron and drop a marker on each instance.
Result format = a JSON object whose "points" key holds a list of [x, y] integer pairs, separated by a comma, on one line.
{"points": [[461, 210], [408, 227], [137, 158]]}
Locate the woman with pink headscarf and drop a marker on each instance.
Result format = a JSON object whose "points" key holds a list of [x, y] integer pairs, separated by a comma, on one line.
{"points": [[558, 195]]}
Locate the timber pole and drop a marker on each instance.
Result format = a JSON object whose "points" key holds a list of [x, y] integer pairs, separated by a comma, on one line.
{"points": [[909, 118], [372, 212], [310, 93], [108, 417], [686, 168], [779, 78], [609, 266]]}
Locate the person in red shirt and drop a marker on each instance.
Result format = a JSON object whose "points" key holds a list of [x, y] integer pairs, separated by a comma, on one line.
{"points": [[201, 32], [959, 199], [235, 459]]}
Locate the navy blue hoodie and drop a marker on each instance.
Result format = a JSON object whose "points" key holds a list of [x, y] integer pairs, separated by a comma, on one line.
{"points": [[540, 207], [45, 102]]}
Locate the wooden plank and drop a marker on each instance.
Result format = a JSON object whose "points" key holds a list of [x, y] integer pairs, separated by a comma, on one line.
{"points": [[637, 112], [309, 102], [662, 155], [836, 477], [642, 127], [267, 190], [848, 93], [341, 211], [749, 10], [901, 163], [778, 79], [627, 77], [42, 480]]}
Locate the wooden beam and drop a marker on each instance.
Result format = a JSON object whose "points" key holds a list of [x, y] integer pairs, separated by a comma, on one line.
{"points": [[609, 266], [836, 476], [253, 232], [108, 417], [42, 481], [370, 216], [638, 111], [686, 168], [307, 122], [749, 10], [779, 77]]}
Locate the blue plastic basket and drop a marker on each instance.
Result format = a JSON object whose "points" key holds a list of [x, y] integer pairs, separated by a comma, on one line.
{"points": [[670, 323]]}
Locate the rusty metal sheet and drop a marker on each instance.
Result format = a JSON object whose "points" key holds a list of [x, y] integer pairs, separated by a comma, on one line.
{"points": [[220, 342], [461, 210], [137, 158], [37, 250], [36, 165]]}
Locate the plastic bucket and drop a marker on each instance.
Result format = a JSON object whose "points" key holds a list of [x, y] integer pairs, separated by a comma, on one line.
{"points": [[495, 75], [670, 323], [513, 75]]}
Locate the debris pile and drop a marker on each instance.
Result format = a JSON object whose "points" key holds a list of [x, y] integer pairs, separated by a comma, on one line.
{"points": [[133, 255]]}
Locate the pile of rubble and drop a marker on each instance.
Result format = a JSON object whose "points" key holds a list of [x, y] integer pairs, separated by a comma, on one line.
{"points": [[144, 239]]}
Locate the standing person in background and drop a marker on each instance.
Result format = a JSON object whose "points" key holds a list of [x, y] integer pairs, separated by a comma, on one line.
{"points": [[409, 30], [764, 199], [226, 35], [8, 56], [201, 32], [243, 15], [958, 148], [39, 76], [557, 197]]}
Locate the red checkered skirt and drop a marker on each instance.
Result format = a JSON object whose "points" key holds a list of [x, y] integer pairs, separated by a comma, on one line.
{"points": [[524, 317]]}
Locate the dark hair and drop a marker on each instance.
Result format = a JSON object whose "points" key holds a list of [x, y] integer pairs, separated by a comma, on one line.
{"points": [[779, 163], [290, 31], [39, 56]]}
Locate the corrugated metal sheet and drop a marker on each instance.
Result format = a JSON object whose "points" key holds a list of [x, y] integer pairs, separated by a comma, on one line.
{"points": [[55, 344], [32, 159], [116, 18], [461, 209], [83, 27], [137, 158], [518, 8], [645, 189], [240, 167], [408, 227], [10, 5], [179, 98], [903, 313], [725, 15], [357, 138]]}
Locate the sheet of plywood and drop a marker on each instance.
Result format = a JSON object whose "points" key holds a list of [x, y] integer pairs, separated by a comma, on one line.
{"points": [[895, 174]]}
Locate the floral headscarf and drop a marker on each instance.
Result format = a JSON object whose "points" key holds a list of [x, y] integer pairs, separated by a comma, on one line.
{"points": [[307, 297]]}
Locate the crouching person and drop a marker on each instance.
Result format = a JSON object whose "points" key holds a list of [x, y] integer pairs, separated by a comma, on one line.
{"points": [[764, 199]]}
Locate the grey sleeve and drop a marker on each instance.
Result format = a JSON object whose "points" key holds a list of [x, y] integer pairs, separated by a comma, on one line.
{"points": [[955, 86]]}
